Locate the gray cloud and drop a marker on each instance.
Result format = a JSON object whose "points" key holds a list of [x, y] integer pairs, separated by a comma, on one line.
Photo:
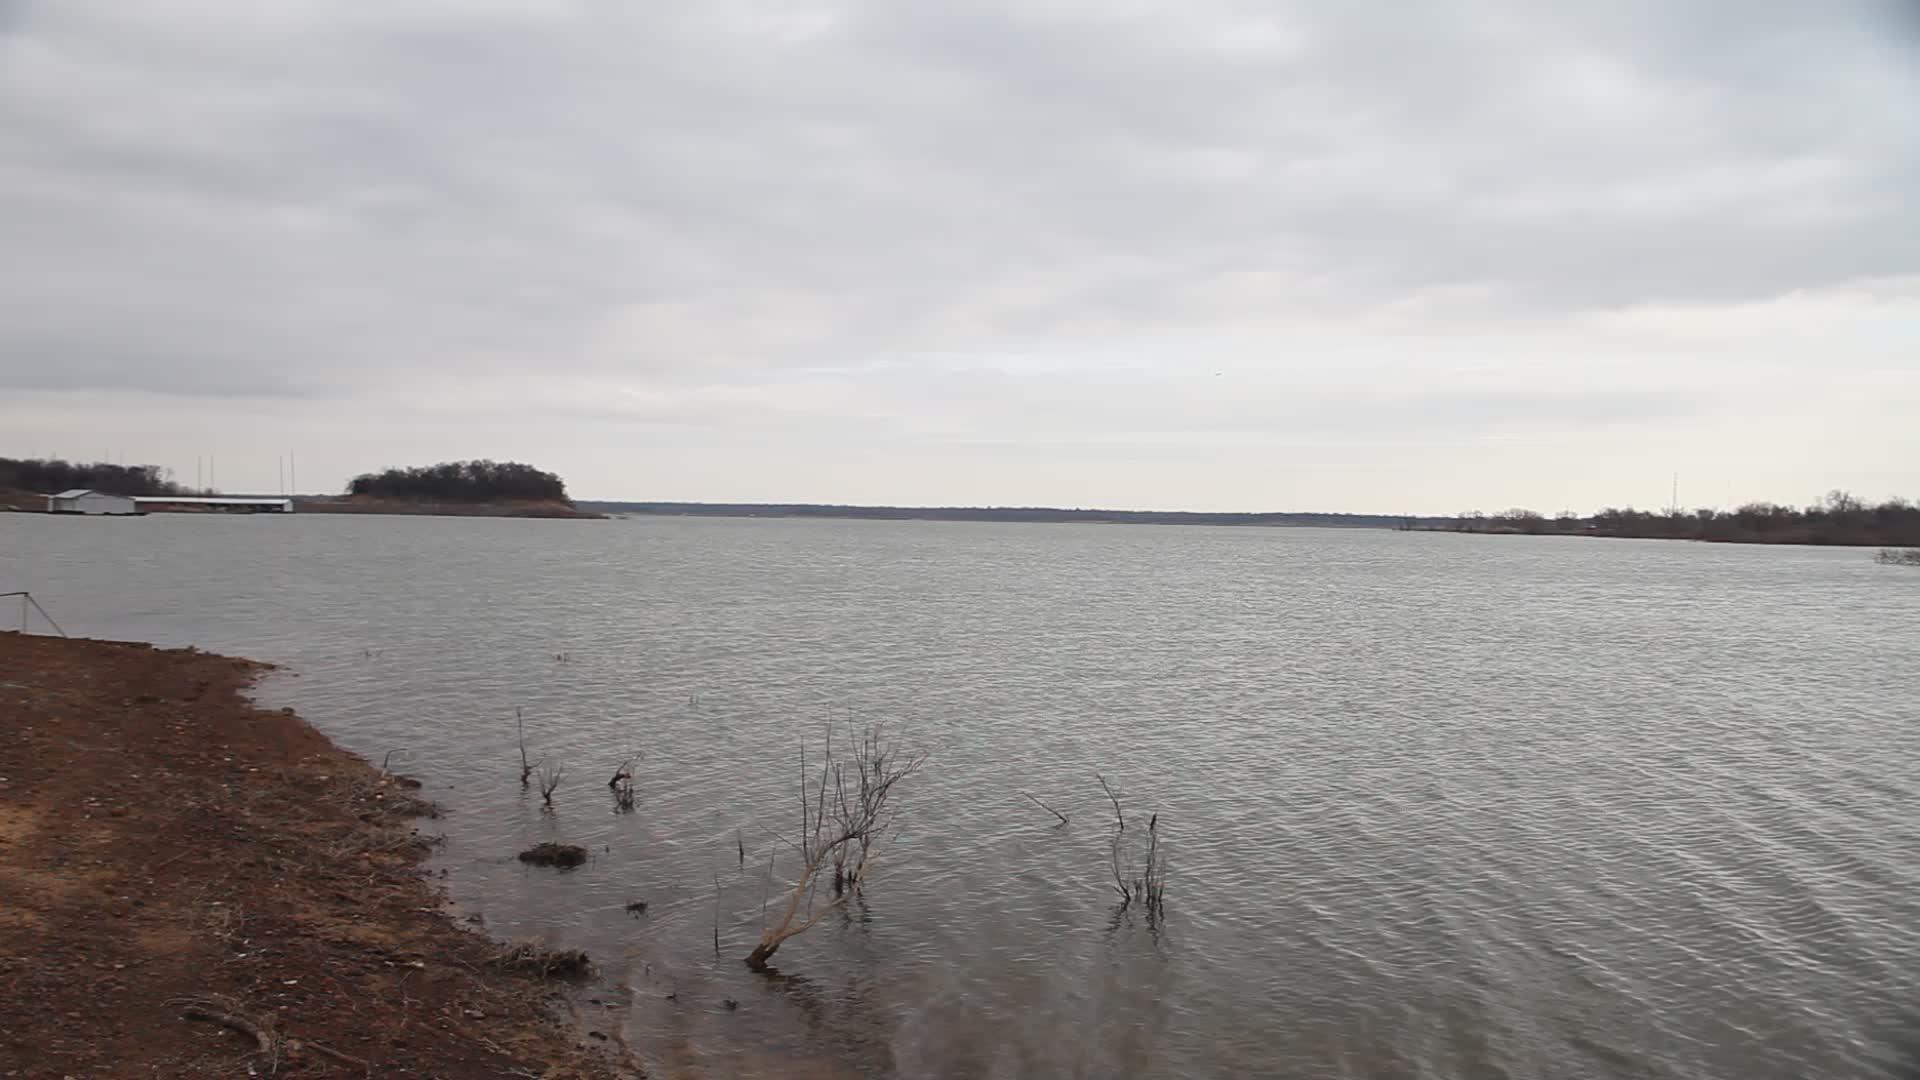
{"points": [[731, 213]]}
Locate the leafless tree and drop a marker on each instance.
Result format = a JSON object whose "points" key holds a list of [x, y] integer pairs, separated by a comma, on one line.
{"points": [[549, 780], [845, 814]]}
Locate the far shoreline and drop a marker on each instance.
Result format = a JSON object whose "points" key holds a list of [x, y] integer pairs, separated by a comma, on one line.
{"points": [[498, 508], [1720, 530]]}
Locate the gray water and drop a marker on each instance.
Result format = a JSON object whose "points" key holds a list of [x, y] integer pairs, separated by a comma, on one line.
{"points": [[1437, 805]]}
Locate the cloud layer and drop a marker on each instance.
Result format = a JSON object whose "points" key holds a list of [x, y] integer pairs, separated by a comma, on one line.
{"points": [[1206, 254]]}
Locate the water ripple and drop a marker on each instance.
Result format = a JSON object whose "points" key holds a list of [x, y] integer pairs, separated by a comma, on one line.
{"points": [[1437, 806]]}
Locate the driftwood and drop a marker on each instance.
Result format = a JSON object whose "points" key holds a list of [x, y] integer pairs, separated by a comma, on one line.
{"points": [[219, 1010], [1048, 809], [227, 1013]]}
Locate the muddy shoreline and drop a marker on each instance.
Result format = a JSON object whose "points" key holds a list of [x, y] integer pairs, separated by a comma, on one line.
{"points": [[194, 886], [509, 508]]}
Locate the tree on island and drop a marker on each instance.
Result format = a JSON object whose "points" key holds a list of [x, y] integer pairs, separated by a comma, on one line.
{"points": [[463, 481]]}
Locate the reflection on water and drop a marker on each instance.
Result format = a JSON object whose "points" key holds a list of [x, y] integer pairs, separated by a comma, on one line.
{"points": [[1437, 805]]}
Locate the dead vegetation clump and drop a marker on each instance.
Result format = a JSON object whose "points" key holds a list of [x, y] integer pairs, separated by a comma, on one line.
{"points": [[844, 815], [622, 785], [384, 840], [564, 856], [387, 798], [1139, 863], [532, 958]]}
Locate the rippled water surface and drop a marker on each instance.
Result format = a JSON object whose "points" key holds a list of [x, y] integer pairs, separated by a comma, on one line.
{"points": [[1438, 806]]}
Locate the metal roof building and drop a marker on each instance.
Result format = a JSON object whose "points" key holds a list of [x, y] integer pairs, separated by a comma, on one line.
{"points": [[242, 504], [85, 501]]}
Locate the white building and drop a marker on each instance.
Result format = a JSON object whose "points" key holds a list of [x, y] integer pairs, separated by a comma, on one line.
{"points": [[83, 501], [240, 504]]}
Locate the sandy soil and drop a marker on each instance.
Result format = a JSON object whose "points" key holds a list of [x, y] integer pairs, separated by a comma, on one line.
{"points": [[177, 866]]}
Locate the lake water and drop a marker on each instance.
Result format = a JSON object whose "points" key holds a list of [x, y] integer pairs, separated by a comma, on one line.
{"points": [[1437, 805]]}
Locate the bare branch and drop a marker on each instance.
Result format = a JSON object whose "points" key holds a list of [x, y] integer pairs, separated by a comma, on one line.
{"points": [[550, 776], [1048, 809], [1117, 815], [622, 784], [844, 816], [520, 725]]}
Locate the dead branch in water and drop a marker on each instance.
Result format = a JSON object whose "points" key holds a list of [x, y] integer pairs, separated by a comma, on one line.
{"points": [[844, 816], [1131, 879], [1048, 809], [550, 776], [1120, 882], [520, 725], [1119, 818], [621, 774], [622, 785], [1153, 880]]}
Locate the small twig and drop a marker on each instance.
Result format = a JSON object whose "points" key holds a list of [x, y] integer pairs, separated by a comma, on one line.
{"points": [[742, 845], [1048, 809], [345, 1059]]}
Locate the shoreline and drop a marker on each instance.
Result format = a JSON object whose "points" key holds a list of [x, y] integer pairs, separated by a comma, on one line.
{"points": [[191, 885], [360, 504]]}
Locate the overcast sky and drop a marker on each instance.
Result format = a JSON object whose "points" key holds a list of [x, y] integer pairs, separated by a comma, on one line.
{"points": [[1424, 256]]}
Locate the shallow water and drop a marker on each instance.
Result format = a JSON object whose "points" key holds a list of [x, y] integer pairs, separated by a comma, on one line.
{"points": [[1438, 806]]}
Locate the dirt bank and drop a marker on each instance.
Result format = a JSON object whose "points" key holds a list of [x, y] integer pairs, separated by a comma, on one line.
{"points": [[27, 501], [362, 504], [177, 865]]}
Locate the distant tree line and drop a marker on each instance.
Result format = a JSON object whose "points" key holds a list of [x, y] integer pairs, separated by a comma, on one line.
{"points": [[463, 481], [1007, 513], [50, 477], [1836, 518]]}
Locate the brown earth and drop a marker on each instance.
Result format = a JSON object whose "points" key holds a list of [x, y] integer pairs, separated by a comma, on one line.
{"points": [[15, 499], [177, 866], [363, 504]]}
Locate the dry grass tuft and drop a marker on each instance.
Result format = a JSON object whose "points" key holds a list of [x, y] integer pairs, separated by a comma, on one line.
{"points": [[532, 958]]}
